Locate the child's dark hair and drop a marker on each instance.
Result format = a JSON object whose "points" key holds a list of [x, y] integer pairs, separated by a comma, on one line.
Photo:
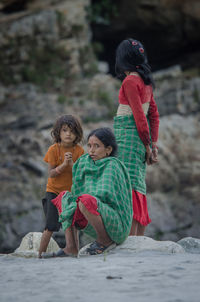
{"points": [[73, 123], [106, 136], [131, 56]]}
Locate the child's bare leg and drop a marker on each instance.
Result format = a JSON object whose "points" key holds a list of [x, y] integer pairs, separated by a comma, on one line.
{"points": [[141, 229], [71, 242], [76, 236], [134, 228], [46, 236], [97, 223]]}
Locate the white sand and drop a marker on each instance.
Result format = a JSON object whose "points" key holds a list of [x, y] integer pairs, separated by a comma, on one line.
{"points": [[139, 277]]}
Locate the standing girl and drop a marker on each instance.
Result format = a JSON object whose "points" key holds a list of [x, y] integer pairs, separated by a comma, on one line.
{"points": [[67, 133], [136, 124]]}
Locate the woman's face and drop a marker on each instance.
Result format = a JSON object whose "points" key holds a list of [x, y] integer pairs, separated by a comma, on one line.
{"points": [[96, 148]]}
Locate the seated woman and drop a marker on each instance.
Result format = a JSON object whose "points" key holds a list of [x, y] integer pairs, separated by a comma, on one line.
{"points": [[100, 202]]}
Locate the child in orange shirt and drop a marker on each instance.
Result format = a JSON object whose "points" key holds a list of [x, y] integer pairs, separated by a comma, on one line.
{"points": [[67, 133]]}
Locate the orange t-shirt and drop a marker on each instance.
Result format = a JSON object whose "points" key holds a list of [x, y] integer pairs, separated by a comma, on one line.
{"points": [[55, 157]]}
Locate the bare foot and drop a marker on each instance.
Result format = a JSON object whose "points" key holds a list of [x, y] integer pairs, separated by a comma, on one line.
{"points": [[71, 251]]}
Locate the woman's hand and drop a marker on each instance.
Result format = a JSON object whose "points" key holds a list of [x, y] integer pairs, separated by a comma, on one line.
{"points": [[148, 155], [154, 153]]}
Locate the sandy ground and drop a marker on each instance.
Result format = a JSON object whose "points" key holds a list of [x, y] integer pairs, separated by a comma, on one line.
{"points": [[118, 276]]}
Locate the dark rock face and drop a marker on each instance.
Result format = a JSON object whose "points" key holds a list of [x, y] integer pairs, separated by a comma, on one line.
{"points": [[23, 174], [169, 30]]}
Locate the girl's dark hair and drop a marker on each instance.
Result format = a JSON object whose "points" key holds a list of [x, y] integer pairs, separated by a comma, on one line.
{"points": [[131, 56], [106, 136], [73, 123]]}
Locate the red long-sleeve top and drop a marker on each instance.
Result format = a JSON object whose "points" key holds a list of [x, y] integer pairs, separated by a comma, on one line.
{"points": [[135, 93]]}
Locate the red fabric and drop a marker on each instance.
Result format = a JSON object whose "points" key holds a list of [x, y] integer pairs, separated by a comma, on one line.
{"points": [[91, 205], [135, 93], [89, 202], [58, 201], [140, 210]]}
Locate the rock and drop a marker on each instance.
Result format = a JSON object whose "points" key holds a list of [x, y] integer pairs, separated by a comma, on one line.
{"points": [[171, 72], [178, 153], [161, 214], [22, 123], [190, 245], [173, 217], [173, 184], [178, 20], [2, 94], [143, 243], [103, 67], [34, 166], [30, 245], [175, 93]]}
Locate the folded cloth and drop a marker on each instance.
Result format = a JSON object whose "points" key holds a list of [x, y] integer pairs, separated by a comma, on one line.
{"points": [[108, 181]]}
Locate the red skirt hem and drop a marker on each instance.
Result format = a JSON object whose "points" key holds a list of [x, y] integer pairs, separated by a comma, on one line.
{"points": [[140, 209], [90, 203], [79, 219]]}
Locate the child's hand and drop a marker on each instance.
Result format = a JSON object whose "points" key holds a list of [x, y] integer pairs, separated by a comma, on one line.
{"points": [[68, 159]]}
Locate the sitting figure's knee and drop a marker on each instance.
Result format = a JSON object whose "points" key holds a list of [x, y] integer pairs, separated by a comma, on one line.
{"points": [[82, 208], [88, 199]]}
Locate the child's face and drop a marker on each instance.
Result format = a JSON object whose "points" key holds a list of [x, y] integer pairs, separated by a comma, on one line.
{"points": [[67, 136]]}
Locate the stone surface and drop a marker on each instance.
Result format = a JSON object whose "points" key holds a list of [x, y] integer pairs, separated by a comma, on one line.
{"points": [[57, 31], [191, 245], [30, 245], [168, 28], [173, 184], [143, 243], [175, 93]]}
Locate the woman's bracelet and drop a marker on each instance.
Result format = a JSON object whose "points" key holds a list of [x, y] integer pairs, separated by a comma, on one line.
{"points": [[154, 147], [58, 171]]}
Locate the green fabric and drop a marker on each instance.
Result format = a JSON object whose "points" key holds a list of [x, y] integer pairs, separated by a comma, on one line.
{"points": [[108, 181], [131, 151]]}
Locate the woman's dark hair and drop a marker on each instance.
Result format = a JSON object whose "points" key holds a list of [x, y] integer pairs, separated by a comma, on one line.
{"points": [[106, 136], [131, 56], [73, 123]]}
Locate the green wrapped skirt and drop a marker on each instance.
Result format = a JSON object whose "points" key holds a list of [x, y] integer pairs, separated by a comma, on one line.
{"points": [[131, 151]]}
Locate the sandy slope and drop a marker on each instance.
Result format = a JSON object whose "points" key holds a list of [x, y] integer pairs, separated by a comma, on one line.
{"points": [[121, 275]]}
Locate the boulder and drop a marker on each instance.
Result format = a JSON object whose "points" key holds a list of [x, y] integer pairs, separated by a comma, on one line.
{"points": [[30, 245], [143, 243], [191, 245]]}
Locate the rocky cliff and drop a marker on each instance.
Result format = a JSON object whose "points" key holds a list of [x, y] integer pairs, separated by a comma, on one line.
{"points": [[169, 29], [47, 67]]}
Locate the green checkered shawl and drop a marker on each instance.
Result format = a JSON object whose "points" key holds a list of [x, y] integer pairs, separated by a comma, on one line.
{"points": [[108, 181], [131, 151]]}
